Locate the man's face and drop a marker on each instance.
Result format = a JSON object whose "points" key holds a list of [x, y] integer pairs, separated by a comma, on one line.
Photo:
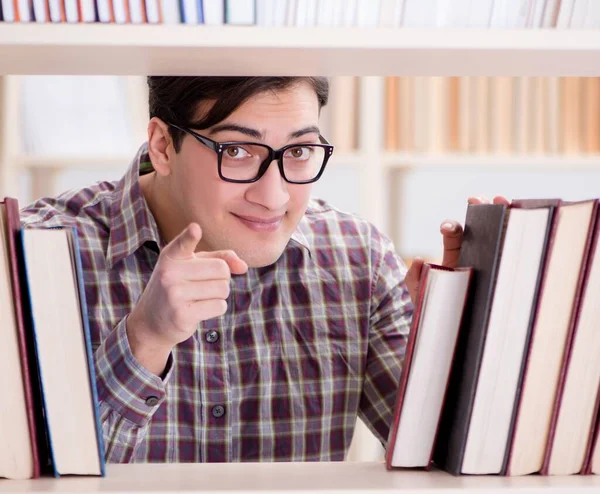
{"points": [[255, 220]]}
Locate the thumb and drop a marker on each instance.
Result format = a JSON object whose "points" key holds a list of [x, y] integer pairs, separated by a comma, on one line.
{"points": [[413, 277], [236, 265], [184, 244]]}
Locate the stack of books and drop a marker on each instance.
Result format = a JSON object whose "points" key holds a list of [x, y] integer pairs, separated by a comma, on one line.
{"points": [[581, 14], [503, 352], [49, 421]]}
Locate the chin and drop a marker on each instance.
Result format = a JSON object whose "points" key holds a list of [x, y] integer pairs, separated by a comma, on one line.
{"points": [[262, 258]]}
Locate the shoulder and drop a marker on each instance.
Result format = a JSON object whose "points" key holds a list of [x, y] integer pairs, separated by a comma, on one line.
{"points": [[86, 208], [325, 222], [327, 227]]}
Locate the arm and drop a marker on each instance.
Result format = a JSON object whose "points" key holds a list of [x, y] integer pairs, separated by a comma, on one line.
{"points": [[390, 319], [128, 394]]}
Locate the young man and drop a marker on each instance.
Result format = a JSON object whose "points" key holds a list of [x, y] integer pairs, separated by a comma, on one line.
{"points": [[232, 318]]}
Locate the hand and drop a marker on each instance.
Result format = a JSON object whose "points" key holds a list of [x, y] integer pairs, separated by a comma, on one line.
{"points": [[452, 233], [185, 288]]}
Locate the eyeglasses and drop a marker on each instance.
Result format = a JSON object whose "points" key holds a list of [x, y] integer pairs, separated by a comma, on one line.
{"points": [[247, 162]]}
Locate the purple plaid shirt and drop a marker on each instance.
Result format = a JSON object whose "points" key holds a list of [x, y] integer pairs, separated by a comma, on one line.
{"points": [[306, 345]]}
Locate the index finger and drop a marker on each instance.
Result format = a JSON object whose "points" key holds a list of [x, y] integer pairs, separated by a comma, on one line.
{"points": [[452, 234]]}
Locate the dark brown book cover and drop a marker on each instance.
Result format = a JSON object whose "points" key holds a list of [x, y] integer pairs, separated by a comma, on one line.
{"points": [[13, 226], [481, 249], [583, 276], [531, 204]]}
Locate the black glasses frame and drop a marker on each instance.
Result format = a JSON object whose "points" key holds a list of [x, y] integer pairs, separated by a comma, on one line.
{"points": [[274, 154]]}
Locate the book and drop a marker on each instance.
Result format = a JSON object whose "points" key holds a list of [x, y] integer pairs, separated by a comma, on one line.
{"points": [[576, 401], [58, 319], [18, 448], [429, 354], [507, 337], [480, 250], [550, 335]]}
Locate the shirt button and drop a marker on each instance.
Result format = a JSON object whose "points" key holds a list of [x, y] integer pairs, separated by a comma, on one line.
{"points": [[218, 411], [212, 336], [151, 401]]}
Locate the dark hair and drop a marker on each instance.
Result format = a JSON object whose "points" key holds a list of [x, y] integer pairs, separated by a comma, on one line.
{"points": [[174, 99]]}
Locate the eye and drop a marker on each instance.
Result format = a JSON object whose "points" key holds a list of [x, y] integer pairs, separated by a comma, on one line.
{"points": [[236, 152], [299, 153]]}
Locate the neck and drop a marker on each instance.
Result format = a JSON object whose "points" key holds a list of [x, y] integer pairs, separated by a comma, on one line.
{"points": [[161, 206]]}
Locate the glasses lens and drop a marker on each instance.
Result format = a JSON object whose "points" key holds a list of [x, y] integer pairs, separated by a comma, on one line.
{"points": [[303, 163], [242, 161]]}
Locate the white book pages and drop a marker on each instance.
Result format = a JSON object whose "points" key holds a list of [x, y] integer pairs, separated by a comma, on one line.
{"points": [[552, 322], [240, 12], [214, 12], [453, 13], [481, 13], [504, 347], [279, 13], [581, 11], [189, 11], [592, 20], [550, 13], [500, 14], [349, 12], [8, 10], [537, 18], [170, 12], [520, 12], [390, 13], [71, 11], [25, 11], [367, 13], [576, 415], [39, 11], [445, 294], [564, 14], [120, 10], [88, 10], [338, 12], [419, 13], [264, 13], [135, 10], [103, 10], [325, 13], [153, 11]]}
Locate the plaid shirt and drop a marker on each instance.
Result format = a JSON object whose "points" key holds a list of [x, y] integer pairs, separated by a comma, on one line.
{"points": [[305, 345]]}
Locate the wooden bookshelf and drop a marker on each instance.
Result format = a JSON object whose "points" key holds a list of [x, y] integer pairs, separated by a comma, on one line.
{"points": [[242, 50], [313, 477], [494, 161]]}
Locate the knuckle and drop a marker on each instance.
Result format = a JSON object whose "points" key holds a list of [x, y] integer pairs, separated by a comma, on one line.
{"points": [[225, 289], [221, 307]]}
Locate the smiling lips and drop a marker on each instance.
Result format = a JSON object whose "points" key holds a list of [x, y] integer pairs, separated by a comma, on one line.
{"points": [[261, 224]]}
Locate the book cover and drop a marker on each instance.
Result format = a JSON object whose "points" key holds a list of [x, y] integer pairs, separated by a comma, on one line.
{"points": [[480, 250]]}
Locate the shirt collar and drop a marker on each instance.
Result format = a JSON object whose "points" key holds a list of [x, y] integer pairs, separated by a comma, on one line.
{"points": [[132, 223]]}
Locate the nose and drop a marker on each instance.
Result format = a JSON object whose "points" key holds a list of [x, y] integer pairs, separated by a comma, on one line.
{"points": [[271, 191]]}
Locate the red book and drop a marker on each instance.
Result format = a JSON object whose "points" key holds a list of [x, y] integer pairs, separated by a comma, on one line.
{"points": [[26, 459]]}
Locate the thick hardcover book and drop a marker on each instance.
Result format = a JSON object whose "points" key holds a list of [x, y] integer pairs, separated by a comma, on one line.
{"points": [[577, 392], [550, 336], [427, 362], [13, 225], [480, 250]]}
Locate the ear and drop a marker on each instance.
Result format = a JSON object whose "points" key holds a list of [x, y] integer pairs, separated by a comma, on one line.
{"points": [[160, 146]]}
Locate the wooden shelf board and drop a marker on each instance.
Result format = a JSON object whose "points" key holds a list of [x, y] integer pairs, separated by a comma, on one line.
{"points": [[249, 50]]}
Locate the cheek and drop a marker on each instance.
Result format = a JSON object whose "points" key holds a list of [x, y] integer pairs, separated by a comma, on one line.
{"points": [[299, 197]]}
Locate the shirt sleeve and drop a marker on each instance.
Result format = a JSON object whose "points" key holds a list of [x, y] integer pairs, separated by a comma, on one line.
{"points": [[389, 324], [128, 395]]}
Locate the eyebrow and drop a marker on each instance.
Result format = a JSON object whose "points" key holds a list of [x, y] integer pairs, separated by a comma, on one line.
{"points": [[259, 135]]}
